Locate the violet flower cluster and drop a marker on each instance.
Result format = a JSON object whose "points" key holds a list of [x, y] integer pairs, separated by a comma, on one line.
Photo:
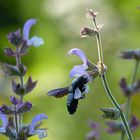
{"points": [[12, 115]]}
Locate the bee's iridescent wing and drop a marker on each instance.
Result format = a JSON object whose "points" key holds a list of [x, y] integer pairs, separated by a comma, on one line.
{"points": [[59, 93]]}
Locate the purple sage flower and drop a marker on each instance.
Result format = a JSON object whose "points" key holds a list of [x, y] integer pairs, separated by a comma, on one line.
{"points": [[32, 128], [35, 40], [87, 68], [4, 120]]}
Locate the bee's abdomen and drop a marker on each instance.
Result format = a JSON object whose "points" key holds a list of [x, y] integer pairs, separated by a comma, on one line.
{"points": [[72, 103]]}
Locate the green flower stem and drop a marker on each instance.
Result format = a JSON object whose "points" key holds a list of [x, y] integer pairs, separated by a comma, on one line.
{"points": [[124, 121], [106, 87], [128, 108], [99, 44], [135, 72], [128, 102], [16, 121], [18, 61]]}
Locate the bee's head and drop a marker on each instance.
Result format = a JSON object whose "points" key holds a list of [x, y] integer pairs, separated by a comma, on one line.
{"points": [[84, 79]]}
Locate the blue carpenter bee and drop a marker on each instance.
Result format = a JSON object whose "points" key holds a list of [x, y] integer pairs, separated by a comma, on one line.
{"points": [[75, 91]]}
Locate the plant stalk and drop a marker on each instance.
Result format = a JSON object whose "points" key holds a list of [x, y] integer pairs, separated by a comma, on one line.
{"points": [[124, 121], [99, 44], [106, 87], [18, 61], [16, 121]]}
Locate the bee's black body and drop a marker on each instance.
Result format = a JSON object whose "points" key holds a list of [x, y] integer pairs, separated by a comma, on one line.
{"points": [[72, 103]]}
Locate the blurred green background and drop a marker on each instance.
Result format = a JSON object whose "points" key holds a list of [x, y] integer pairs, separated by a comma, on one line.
{"points": [[59, 23]]}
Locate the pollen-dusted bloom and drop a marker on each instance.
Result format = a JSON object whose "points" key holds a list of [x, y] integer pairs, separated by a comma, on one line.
{"points": [[87, 68], [131, 54], [35, 40]]}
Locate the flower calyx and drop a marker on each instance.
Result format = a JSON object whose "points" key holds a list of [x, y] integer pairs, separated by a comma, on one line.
{"points": [[87, 32], [102, 68], [92, 69], [111, 113]]}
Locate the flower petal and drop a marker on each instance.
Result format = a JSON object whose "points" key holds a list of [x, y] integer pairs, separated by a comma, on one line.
{"points": [[81, 54], [4, 123], [41, 133], [78, 71], [26, 29], [36, 41], [35, 120], [77, 94]]}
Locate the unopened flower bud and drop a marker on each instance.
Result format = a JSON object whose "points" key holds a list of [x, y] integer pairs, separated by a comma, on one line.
{"points": [[7, 110], [15, 38], [30, 85], [111, 113], [87, 32], [92, 14], [14, 100], [17, 88], [24, 107]]}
